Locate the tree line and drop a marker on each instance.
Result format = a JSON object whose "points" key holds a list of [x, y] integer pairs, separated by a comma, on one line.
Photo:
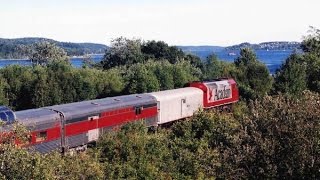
{"points": [[272, 133], [19, 48]]}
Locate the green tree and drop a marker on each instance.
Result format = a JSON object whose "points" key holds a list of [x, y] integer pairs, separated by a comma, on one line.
{"points": [[109, 83], [41, 88], [19, 82], [164, 73], [184, 72], [122, 52], [44, 52], [252, 76], [311, 48], [311, 42], [141, 79], [196, 143], [278, 138], [212, 67], [3, 86], [195, 61], [132, 153], [160, 50], [22, 164], [291, 78]]}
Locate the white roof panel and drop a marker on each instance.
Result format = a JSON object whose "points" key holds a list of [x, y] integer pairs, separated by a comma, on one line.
{"points": [[175, 93]]}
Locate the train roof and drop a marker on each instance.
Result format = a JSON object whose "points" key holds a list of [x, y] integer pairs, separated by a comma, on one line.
{"points": [[37, 117], [50, 114], [80, 109], [230, 80], [175, 93]]}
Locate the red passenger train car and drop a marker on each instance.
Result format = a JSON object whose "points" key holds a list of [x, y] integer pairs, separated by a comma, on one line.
{"points": [[74, 125]]}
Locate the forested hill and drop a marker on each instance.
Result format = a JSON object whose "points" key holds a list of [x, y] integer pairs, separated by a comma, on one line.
{"points": [[276, 45], [18, 48]]}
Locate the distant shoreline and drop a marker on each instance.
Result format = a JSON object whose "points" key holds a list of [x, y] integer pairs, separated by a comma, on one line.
{"points": [[70, 57], [14, 59]]}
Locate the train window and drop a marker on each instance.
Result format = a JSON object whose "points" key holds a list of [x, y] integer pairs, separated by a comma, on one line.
{"points": [[138, 110], [6, 115], [90, 118], [10, 116], [3, 117], [41, 136]]}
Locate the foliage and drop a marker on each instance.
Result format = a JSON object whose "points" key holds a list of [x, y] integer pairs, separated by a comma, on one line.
{"points": [[159, 75], [278, 138], [311, 43], [21, 164], [17, 80], [59, 82], [215, 68], [193, 144], [132, 153], [291, 78], [184, 72], [274, 137], [3, 86], [56, 83], [311, 56], [161, 50], [271, 137], [141, 80], [44, 52], [183, 153], [252, 76], [128, 52], [122, 52]]}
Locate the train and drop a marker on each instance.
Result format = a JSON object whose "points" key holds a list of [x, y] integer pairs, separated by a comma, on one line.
{"points": [[73, 126]]}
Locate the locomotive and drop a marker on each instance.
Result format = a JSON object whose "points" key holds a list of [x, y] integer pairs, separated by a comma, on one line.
{"points": [[74, 125]]}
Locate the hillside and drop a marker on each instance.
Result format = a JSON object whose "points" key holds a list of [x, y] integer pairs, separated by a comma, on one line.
{"points": [[18, 48], [276, 45]]}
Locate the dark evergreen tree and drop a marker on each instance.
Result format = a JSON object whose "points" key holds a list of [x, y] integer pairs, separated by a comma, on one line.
{"points": [[252, 76], [161, 50], [311, 48], [122, 52], [291, 78]]}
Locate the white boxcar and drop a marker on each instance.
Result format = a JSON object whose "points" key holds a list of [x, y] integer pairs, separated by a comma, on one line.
{"points": [[178, 103]]}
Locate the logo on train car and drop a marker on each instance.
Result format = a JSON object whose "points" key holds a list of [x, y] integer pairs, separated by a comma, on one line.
{"points": [[219, 91]]}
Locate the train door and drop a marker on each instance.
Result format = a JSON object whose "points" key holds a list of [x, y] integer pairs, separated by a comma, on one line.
{"points": [[184, 107], [93, 134], [159, 112], [62, 132]]}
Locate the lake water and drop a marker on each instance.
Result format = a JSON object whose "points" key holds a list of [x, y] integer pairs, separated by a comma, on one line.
{"points": [[272, 59], [75, 61]]}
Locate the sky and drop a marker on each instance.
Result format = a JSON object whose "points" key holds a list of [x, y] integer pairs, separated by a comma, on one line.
{"points": [[177, 22]]}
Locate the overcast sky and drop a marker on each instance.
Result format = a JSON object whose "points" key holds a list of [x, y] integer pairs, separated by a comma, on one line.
{"points": [[177, 22]]}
